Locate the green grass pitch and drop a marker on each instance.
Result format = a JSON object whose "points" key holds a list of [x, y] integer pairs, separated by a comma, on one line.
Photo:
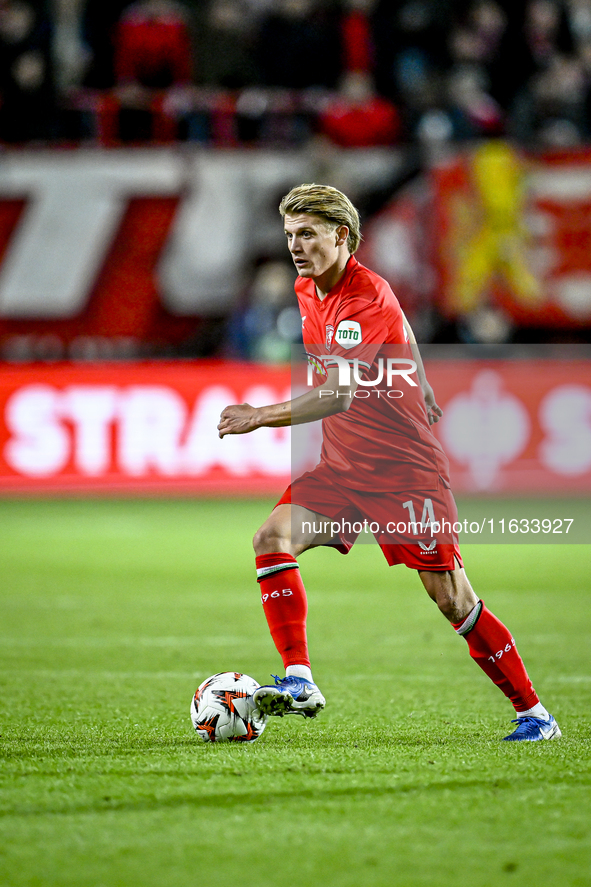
{"points": [[112, 612]]}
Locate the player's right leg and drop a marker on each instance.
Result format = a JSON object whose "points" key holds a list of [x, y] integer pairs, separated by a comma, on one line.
{"points": [[289, 531]]}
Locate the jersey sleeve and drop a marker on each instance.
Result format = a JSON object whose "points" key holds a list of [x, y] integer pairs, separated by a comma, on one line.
{"points": [[360, 329]]}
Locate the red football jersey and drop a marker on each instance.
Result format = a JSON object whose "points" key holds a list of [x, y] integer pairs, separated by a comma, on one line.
{"points": [[383, 441]]}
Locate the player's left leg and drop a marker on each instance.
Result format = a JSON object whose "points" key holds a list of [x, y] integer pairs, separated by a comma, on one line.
{"points": [[492, 647]]}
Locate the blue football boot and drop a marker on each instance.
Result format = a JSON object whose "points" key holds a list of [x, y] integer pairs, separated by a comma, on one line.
{"points": [[533, 729], [289, 696]]}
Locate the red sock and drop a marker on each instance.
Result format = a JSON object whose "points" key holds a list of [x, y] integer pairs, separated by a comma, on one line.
{"points": [[493, 649], [285, 605]]}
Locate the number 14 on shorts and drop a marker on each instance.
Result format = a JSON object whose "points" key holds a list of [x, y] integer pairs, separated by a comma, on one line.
{"points": [[427, 518]]}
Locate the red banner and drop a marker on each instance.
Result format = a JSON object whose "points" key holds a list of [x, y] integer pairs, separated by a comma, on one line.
{"points": [[138, 428], [515, 427], [509, 427]]}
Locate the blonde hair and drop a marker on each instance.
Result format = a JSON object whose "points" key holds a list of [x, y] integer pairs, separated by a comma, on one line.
{"points": [[328, 203]]}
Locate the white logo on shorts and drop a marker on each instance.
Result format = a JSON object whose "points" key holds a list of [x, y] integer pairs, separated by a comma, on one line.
{"points": [[430, 548]]}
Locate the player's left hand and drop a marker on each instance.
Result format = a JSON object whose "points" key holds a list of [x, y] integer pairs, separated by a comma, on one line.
{"points": [[434, 412], [239, 418]]}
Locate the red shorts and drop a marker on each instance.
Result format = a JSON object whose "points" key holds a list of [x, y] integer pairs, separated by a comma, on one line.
{"points": [[415, 528]]}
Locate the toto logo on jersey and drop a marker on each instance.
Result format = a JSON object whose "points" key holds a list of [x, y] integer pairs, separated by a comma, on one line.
{"points": [[349, 334]]}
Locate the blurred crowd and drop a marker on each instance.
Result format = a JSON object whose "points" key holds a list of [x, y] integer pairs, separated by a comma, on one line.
{"points": [[355, 72]]}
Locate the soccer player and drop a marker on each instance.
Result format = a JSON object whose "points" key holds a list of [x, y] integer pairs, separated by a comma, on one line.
{"points": [[380, 462]]}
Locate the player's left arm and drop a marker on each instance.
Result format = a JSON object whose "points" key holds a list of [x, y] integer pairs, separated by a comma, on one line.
{"points": [[434, 412]]}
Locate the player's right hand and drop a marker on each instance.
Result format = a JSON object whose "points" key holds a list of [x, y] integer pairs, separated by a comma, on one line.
{"points": [[240, 418]]}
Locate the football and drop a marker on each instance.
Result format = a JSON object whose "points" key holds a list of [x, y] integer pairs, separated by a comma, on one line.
{"points": [[222, 709]]}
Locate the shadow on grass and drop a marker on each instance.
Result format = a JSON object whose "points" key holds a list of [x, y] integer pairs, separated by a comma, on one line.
{"points": [[262, 799]]}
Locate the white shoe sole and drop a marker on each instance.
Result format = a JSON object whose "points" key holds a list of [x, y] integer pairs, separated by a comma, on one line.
{"points": [[274, 701]]}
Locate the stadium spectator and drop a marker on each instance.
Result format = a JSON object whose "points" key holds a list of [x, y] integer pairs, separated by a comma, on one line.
{"points": [[153, 46], [552, 109], [99, 22], [299, 45], [473, 111], [268, 323], [153, 67], [545, 94], [356, 117], [357, 38], [411, 56], [27, 95], [473, 44], [536, 32], [475, 39], [225, 38], [410, 46]]}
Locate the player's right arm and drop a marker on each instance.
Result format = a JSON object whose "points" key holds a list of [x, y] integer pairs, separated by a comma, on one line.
{"points": [[318, 403]]}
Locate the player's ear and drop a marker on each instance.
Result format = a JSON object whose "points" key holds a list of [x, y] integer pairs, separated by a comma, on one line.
{"points": [[342, 233]]}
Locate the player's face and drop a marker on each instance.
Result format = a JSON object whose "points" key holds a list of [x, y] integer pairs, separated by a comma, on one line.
{"points": [[313, 244]]}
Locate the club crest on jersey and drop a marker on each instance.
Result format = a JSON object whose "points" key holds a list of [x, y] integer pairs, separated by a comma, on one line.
{"points": [[348, 334], [329, 335]]}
